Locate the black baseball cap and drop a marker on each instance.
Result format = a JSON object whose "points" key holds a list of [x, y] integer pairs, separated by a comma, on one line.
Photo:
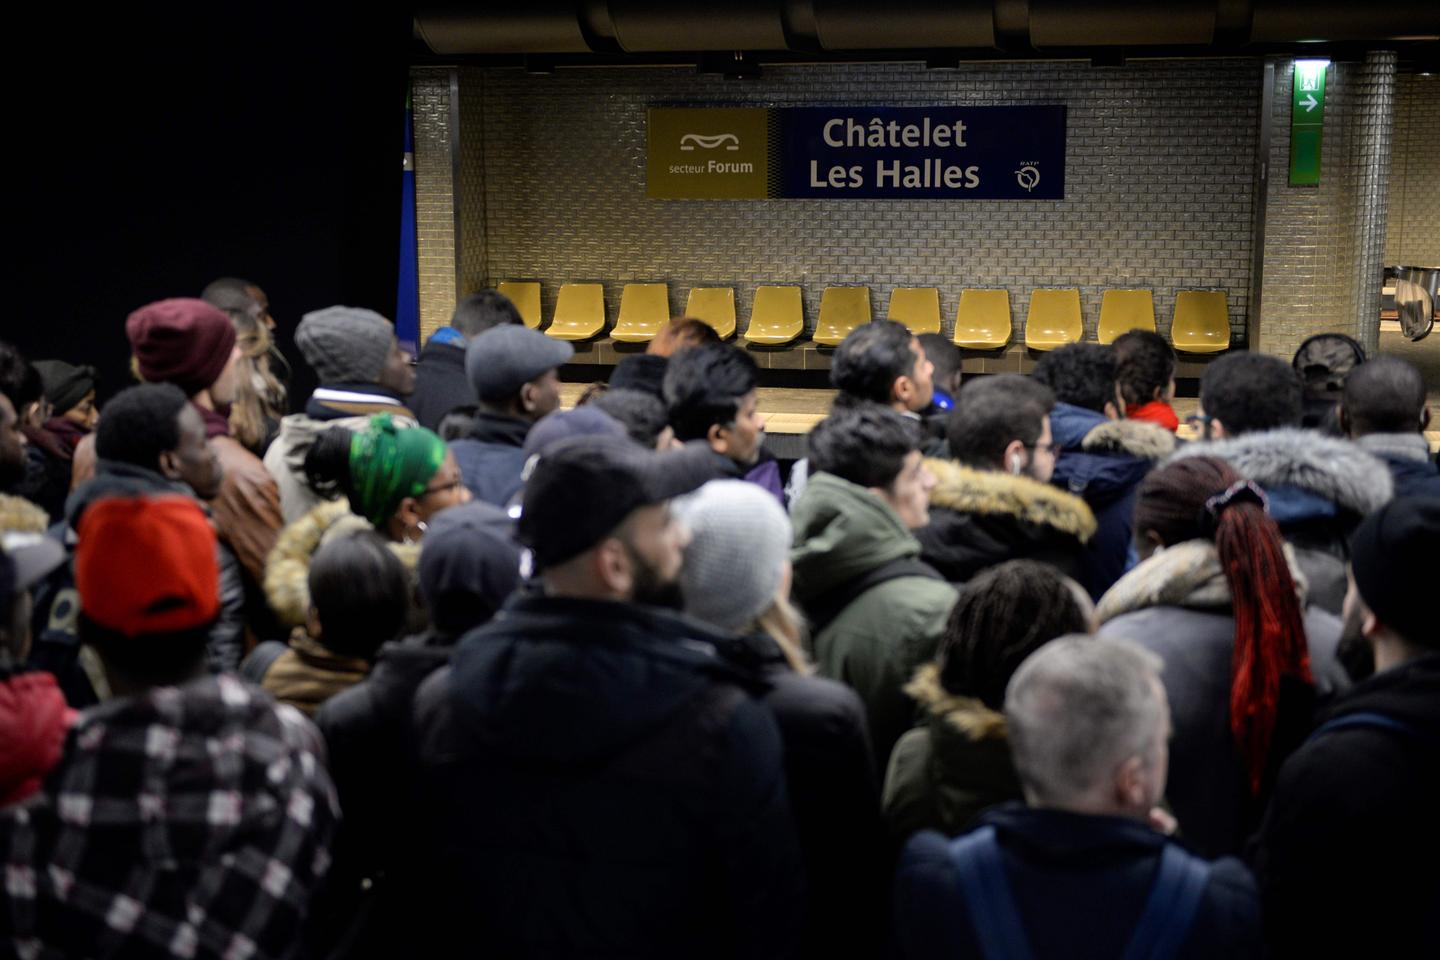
{"points": [[585, 487]]}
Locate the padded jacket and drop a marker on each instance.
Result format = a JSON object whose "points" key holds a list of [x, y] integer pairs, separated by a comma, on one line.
{"points": [[492, 458], [597, 781]]}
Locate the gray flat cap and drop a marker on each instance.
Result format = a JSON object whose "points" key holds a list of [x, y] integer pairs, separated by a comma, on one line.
{"points": [[503, 359]]}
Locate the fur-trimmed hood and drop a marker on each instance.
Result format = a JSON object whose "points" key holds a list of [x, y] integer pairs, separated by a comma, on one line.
{"points": [[287, 570], [965, 715], [19, 515], [1333, 470], [1134, 438], [992, 492]]}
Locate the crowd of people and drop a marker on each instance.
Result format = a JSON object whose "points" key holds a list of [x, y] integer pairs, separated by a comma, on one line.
{"points": [[433, 667]]}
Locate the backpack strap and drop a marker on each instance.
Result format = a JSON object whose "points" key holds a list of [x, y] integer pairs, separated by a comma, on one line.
{"points": [[261, 659], [1374, 721], [823, 610], [994, 915], [1170, 911]]}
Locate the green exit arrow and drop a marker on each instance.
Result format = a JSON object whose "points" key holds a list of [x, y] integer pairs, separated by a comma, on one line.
{"points": [[1307, 122]]}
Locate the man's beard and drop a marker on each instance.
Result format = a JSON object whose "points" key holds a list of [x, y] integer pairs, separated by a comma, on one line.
{"points": [[649, 588]]}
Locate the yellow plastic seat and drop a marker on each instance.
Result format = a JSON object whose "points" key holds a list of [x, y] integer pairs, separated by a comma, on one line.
{"points": [[1202, 322], [579, 312], [842, 309], [1054, 319], [714, 305], [777, 316], [1124, 310], [982, 321], [525, 294], [644, 310], [916, 307]]}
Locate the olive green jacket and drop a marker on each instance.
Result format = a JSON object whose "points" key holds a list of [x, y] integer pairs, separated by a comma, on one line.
{"points": [[951, 768], [874, 645]]}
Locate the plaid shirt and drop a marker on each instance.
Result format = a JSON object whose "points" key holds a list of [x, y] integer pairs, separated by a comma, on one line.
{"points": [[191, 821]]}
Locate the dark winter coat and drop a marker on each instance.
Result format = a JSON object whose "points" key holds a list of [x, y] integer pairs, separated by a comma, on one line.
{"points": [[492, 458], [56, 646], [1080, 884], [875, 643], [1407, 456], [1177, 605], [981, 518], [370, 737], [598, 782], [1103, 461], [1320, 488], [1347, 852], [955, 766], [441, 386], [833, 794]]}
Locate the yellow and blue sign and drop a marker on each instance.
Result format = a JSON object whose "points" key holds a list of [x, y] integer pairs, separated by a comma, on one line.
{"points": [[856, 153]]}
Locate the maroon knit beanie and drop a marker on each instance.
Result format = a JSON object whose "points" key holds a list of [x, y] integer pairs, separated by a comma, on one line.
{"points": [[182, 341]]}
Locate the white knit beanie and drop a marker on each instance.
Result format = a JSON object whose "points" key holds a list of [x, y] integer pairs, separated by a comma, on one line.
{"points": [[740, 541]]}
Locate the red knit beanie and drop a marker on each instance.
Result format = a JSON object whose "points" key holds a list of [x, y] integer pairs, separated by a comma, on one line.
{"points": [[182, 341]]}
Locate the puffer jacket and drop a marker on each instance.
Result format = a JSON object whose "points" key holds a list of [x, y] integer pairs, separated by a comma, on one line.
{"points": [[1177, 605], [598, 782], [980, 518], [1319, 487], [492, 458], [946, 772], [57, 646], [1103, 461], [1407, 455], [878, 639]]}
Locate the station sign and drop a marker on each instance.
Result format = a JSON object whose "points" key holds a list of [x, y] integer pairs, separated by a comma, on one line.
{"points": [[856, 153]]}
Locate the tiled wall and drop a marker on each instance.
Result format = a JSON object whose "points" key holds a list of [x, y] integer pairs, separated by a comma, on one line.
{"points": [[434, 197], [1413, 237], [1315, 237], [1159, 184]]}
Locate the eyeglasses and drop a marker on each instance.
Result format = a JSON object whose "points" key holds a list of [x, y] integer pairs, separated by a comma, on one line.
{"points": [[443, 488]]}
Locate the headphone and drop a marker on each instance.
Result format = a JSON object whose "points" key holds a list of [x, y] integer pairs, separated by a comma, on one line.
{"points": [[1015, 464]]}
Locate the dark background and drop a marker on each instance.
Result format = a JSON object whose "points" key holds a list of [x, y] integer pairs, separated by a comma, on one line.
{"points": [[163, 149]]}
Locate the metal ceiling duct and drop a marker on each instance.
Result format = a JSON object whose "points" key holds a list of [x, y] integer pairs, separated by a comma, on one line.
{"points": [[1017, 27]]}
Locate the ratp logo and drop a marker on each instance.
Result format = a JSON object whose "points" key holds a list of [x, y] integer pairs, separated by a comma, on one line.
{"points": [[692, 140], [1028, 176]]}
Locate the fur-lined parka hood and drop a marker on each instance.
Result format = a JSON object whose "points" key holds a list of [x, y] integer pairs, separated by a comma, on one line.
{"points": [[992, 492], [19, 515], [1331, 469], [287, 570], [965, 715], [1135, 438]]}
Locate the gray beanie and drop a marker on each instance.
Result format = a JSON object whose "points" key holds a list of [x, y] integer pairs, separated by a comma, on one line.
{"points": [[739, 544], [345, 344], [503, 359]]}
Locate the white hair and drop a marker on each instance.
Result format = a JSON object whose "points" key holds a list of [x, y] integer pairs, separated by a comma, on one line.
{"points": [[1079, 707]]}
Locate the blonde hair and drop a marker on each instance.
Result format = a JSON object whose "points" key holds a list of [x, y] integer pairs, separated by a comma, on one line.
{"points": [[259, 396], [782, 623]]}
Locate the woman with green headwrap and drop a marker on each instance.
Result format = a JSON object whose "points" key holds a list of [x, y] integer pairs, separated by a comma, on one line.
{"points": [[392, 479]]}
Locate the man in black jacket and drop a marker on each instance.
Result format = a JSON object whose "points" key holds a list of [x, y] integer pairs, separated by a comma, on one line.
{"points": [[150, 441], [597, 781], [994, 502], [1347, 851], [1084, 869], [1384, 412], [441, 386]]}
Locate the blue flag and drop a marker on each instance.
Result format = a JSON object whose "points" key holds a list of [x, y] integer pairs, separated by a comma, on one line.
{"points": [[407, 298]]}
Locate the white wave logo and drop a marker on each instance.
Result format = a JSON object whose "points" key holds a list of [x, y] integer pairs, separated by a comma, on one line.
{"points": [[692, 140]]}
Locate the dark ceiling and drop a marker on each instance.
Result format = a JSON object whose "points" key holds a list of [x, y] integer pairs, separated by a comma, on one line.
{"points": [[663, 31]]}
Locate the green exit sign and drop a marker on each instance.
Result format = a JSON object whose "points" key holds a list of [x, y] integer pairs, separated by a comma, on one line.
{"points": [[1307, 122]]}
